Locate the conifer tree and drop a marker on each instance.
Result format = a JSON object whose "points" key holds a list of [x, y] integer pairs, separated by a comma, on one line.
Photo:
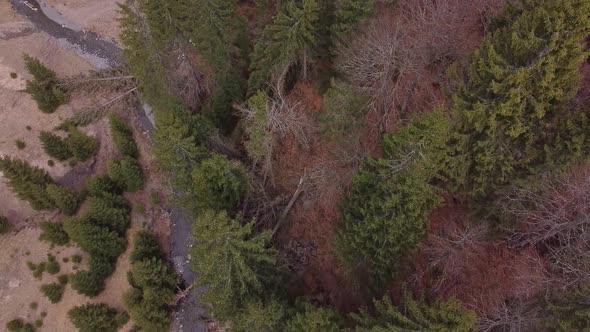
{"points": [[232, 261], [27, 182], [97, 317], [127, 173], [43, 87], [417, 316], [99, 185], [314, 319], [348, 13], [145, 246], [65, 200], [87, 283], [153, 282], [123, 136], [511, 112], [289, 39], [386, 214], [55, 146], [53, 291], [53, 232], [258, 316], [218, 183], [82, 146]]}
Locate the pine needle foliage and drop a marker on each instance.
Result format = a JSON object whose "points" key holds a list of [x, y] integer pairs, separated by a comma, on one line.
{"points": [[512, 121], [123, 136], [291, 38], [27, 182], [126, 173], [386, 214], [232, 261], [154, 283], [82, 146], [218, 183], [53, 232], [55, 146], [65, 200], [416, 316], [97, 317], [53, 291], [43, 88]]}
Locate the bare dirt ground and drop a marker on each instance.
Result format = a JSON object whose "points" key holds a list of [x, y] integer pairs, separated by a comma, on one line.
{"points": [[98, 16], [18, 287]]}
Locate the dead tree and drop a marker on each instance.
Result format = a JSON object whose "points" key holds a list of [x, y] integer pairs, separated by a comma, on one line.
{"points": [[512, 316]]}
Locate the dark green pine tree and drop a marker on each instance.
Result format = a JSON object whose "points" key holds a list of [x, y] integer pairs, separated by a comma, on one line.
{"points": [[127, 173], [314, 319], [55, 146], [145, 246], [347, 14], [53, 232], [220, 37], [262, 317], [87, 283], [218, 183], [291, 38], [416, 316], [123, 136], [511, 114], [232, 261], [97, 317], [27, 182], [43, 88], [82, 146], [65, 200]]}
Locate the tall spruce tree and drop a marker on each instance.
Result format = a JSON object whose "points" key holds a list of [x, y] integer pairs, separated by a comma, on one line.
{"points": [[64, 199], [289, 39], [386, 214], [55, 146], [27, 182], [347, 14], [416, 316], [231, 261], [43, 88], [122, 136], [511, 114]]}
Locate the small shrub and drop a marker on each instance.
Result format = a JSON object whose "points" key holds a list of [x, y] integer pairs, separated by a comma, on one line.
{"points": [[52, 266], [65, 259], [50, 163], [13, 75], [140, 208], [54, 233], [63, 279], [43, 314], [15, 325], [33, 305], [4, 225], [38, 323], [53, 291], [31, 266], [20, 144], [82, 146], [126, 173], [40, 268], [77, 259], [28, 128], [55, 146]]}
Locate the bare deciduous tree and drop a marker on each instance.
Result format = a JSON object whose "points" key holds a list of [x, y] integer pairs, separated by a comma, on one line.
{"points": [[512, 316]]}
